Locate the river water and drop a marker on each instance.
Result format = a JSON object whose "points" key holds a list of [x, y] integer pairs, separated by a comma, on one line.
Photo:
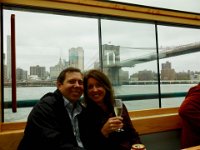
{"points": [[26, 93]]}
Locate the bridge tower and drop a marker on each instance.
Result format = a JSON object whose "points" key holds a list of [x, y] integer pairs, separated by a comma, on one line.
{"points": [[111, 61]]}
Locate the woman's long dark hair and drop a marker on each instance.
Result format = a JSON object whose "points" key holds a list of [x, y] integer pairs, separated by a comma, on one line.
{"points": [[104, 82]]}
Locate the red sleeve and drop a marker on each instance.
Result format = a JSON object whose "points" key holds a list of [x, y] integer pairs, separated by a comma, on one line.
{"points": [[190, 108]]}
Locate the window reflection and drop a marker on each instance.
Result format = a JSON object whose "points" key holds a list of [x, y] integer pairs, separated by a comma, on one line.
{"points": [[47, 43]]}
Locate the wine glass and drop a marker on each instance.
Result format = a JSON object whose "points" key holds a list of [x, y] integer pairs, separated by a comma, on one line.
{"points": [[118, 108]]}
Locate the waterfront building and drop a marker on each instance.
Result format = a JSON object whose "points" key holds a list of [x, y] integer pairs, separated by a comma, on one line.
{"points": [[8, 57], [39, 71], [124, 76], [21, 74], [145, 75], [182, 76], [167, 73], [5, 68], [55, 70]]}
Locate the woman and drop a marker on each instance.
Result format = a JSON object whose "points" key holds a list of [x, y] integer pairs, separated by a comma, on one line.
{"points": [[101, 122]]}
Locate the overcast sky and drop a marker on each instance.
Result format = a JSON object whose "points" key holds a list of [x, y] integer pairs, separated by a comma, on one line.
{"points": [[41, 39]]}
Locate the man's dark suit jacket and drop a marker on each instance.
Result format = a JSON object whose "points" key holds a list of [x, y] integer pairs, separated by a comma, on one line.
{"points": [[49, 126]]}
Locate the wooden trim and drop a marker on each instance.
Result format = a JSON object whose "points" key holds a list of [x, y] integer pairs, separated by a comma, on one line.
{"points": [[151, 112], [155, 120], [192, 148], [12, 126], [156, 124], [113, 9]]}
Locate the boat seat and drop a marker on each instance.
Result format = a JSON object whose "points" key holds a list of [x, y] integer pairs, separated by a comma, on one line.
{"points": [[9, 140], [144, 121]]}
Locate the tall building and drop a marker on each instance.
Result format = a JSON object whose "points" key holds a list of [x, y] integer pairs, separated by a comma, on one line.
{"points": [[8, 57], [76, 58], [21, 74], [166, 65], [5, 68], [55, 70], [167, 73], [145, 75], [38, 71]]}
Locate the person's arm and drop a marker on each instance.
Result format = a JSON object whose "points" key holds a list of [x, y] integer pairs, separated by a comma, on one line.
{"points": [[190, 110]]}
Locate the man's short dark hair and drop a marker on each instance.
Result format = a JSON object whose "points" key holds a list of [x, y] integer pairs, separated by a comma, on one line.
{"points": [[61, 76]]}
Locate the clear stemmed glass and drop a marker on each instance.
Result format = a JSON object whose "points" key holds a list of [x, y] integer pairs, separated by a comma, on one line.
{"points": [[118, 108]]}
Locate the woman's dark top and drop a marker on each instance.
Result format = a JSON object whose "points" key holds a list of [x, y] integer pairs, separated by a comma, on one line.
{"points": [[94, 139]]}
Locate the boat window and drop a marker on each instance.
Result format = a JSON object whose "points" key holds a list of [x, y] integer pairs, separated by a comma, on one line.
{"points": [[45, 44], [130, 61], [179, 50], [150, 65]]}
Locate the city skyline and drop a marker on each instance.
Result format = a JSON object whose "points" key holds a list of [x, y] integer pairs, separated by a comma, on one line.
{"points": [[65, 32], [163, 64], [76, 59]]}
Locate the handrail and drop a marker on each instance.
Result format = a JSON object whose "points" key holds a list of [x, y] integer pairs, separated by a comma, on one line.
{"points": [[150, 96], [32, 102]]}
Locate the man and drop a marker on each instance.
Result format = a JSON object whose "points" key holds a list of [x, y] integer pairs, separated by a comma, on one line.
{"points": [[53, 123], [189, 112]]}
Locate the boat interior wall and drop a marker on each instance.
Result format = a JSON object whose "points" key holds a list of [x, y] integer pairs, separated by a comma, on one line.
{"points": [[160, 126], [111, 9], [168, 140], [151, 121]]}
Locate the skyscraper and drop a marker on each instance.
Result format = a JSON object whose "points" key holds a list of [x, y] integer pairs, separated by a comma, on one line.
{"points": [[167, 73], [76, 57], [55, 70]]}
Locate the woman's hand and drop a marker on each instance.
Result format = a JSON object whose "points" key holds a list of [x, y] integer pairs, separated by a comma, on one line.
{"points": [[111, 125]]}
